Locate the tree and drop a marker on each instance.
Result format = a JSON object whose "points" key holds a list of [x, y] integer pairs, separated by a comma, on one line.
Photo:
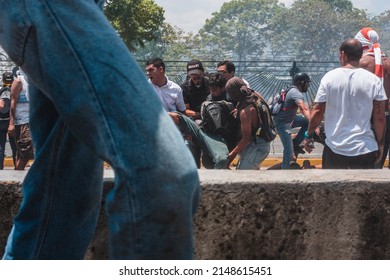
{"points": [[171, 43], [240, 29], [382, 26], [136, 21], [340, 6], [314, 29]]}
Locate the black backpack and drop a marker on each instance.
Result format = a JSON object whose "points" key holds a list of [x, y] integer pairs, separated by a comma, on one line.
{"points": [[266, 128], [217, 119]]}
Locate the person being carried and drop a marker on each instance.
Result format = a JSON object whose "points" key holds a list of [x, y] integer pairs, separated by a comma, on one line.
{"points": [[214, 144], [288, 118], [376, 61], [252, 149], [349, 97]]}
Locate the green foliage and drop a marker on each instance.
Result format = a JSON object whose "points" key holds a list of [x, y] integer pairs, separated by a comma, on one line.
{"points": [[247, 30], [340, 6], [240, 29], [314, 29], [381, 24], [253, 29], [172, 43], [136, 21]]}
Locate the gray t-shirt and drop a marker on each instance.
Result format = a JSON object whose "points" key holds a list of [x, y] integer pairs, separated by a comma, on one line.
{"points": [[289, 110]]}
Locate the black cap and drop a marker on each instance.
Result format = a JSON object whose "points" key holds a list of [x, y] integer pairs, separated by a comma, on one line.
{"points": [[194, 67], [8, 77]]}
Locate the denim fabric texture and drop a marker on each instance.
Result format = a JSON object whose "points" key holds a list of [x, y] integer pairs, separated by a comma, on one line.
{"points": [[254, 154], [87, 106], [213, 146], [215, 150], [284, 131]]}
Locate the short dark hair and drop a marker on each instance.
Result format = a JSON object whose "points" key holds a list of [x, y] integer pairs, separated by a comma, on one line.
{"points": [[156, 62], [217, 80], [230, 67], [352, 48]]}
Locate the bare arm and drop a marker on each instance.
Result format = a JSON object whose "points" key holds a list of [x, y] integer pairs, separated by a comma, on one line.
{"points": [[16, 88], [316, 116], [368, 63], [191, 113], [2, 104], [304, 109], [379, 119], [386, 81], [248, 115]]}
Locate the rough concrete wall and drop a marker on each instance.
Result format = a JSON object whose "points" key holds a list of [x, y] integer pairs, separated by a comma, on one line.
{"points": [[294, 215], [10, 198], [308, 214]]}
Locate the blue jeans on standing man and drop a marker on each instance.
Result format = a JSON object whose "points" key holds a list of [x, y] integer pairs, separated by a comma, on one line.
{"points": [[88, 99], [284, 131], [3, 139]]}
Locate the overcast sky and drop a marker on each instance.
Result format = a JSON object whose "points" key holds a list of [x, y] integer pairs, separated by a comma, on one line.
{"points": [[191, 15]]}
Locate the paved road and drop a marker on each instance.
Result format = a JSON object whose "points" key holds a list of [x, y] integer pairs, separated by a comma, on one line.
{"points": [[277, 150], [275, 153]]}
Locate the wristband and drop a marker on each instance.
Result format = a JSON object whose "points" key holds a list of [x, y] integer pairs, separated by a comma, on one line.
{"points": [[307, 136]]}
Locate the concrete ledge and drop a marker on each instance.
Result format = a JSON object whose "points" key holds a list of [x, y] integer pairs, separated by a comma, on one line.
{"points": [[296, 214]]}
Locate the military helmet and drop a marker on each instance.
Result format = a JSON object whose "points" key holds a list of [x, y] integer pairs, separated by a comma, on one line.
{"points": [[301, 77]]}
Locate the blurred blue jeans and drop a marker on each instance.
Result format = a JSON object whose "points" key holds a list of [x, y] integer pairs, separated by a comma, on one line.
{"points": [[88, 99], [254, 154], [284, 131], [215, 150]]}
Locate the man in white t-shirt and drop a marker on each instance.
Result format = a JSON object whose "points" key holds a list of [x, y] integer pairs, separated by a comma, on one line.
{"points": [[169, 92], [376, 61], [348, 97]]}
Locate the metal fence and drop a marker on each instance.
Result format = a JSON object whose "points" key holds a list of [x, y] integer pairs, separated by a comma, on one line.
{"points": [[265, 76]]}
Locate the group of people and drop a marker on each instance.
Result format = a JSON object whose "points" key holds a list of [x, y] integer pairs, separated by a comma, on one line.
{"points": [[184, 104], [14, 119], [352, 126], [111, 113]]}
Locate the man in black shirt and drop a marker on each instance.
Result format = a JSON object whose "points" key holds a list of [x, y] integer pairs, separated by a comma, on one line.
{"points": [[195, 88]]}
